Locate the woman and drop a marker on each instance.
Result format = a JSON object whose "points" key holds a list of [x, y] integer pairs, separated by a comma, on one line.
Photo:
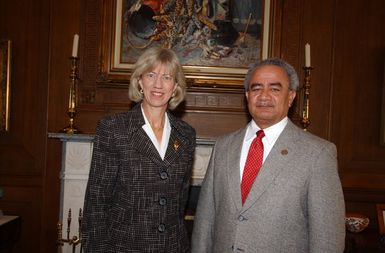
{"points": [[141, 166]]}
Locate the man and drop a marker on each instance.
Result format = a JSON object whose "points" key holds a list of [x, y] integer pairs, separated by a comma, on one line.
{"points": [[295, 203]]}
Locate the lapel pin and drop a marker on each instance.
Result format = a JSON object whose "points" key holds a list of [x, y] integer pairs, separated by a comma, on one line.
{"points": [[176, 145], [284, 152]]}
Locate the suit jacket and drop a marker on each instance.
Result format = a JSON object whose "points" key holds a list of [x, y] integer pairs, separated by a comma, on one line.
{"points": [[135, 201], [295, 205]]}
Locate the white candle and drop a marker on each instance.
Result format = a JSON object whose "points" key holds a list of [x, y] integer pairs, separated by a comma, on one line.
{"points": [[75, 46], [307, 55]]}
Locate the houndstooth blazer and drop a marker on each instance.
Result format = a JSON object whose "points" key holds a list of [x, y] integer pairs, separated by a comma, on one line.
{"points": [[135, 201]]}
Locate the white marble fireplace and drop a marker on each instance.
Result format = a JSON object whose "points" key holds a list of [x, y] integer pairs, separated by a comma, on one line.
{"points": [[76, 161]]}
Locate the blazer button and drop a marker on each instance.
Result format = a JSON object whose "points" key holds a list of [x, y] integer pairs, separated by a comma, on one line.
{"points": [[163, 175], [242, 218], [162, 201], [161, 228]]}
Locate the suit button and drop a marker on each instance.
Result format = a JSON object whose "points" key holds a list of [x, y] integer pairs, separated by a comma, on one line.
{"points": [[241, 218], [163, 175], [162, 201], [161, 228]]}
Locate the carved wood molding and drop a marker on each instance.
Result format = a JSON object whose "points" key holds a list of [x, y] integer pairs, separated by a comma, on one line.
{"points": [[218, 100], [88, 67]]}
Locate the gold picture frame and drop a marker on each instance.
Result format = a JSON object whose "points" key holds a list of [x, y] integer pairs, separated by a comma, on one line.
{"points": [[381, 218], [5, 77], [115, 66]]}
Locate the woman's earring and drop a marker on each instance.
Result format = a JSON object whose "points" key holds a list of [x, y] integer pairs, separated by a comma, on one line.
{"points": [[173, 94], [141, 91]]}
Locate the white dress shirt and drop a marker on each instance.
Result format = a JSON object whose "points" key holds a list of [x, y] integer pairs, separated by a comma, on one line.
{"points": [[271, 135], [162, 146]]}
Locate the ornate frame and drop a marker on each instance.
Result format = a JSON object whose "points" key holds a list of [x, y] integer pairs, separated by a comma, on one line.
{"points": [[5, 77], [114, 71], [381, 218]]}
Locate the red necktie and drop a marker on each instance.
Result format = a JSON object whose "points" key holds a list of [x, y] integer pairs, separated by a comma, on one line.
{"points": [[253, 164]]}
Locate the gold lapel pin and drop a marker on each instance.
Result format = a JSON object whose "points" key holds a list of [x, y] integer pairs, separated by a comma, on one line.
{"points": [[284, 152], [176, 145]]}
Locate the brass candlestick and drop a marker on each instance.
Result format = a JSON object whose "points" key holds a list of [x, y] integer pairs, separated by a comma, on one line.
{"points": [[75, 240], [305, 121], [71, 129]]}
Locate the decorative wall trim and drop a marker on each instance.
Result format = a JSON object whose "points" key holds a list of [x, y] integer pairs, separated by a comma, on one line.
{"points": [[5, 80]]}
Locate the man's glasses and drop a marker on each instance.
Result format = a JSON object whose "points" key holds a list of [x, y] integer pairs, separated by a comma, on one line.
{"points": [[152, 77]]}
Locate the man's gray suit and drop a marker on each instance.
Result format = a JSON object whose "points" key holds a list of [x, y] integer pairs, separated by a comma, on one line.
{"points": [[295, 205]]}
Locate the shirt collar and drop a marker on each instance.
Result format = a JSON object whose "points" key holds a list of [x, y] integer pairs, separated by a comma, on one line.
{"points": [[167, 124], [271, 133]]}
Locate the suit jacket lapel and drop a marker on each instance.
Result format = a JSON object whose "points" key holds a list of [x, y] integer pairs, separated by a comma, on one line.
{"points": [[282, 152], [234, 178], [176, 145], [141, 142], [145, 146]]}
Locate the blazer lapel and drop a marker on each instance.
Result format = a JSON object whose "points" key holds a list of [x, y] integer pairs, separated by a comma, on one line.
{"points": [[141, 142], [282, 152], [176, 145], [144, 146], [233, 159]]}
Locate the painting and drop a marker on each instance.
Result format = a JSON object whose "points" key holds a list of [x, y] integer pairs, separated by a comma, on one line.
{"points": [[216, 40], [5, 75]]}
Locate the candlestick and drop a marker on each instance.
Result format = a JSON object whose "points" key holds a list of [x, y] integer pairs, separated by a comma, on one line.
{"points": [[305, 120], [71, 129], [75, 46], [307, 55], [75, 240]]}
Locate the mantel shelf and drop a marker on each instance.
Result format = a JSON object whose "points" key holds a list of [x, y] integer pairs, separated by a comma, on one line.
{"points": [[72, 137]]}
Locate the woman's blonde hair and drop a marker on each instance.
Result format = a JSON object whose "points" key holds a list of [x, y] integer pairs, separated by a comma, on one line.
{"points": [[147, 62]]}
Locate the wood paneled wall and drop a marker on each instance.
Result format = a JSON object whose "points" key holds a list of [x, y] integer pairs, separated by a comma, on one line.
{"points": [[348, 53], [23, 148], [356, 93]]}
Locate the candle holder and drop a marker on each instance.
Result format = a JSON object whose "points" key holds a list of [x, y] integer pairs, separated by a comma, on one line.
{"points": [[71, 129], [305, 120], [75, 240]]}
